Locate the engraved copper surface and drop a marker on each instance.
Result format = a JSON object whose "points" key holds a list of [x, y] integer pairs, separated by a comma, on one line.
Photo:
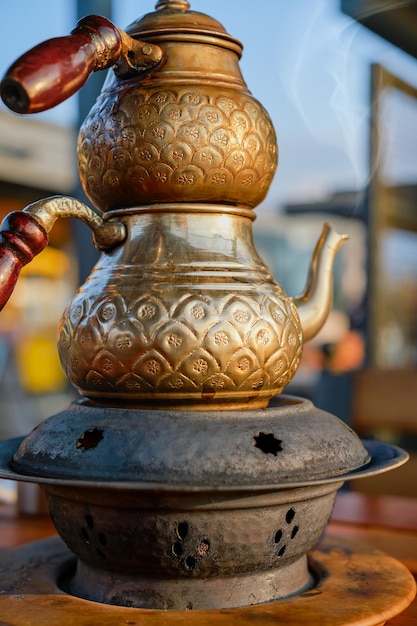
{"points": [[189, 131], [185, 313], [196, 318], [196, 143]]}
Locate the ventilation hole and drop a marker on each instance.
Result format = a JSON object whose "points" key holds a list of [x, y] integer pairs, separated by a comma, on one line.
{"points": [[268, 443], [190, 563], [90, 439], [278, 536], [84, 535], [90, 521], [182, 530], [101, 554], [102, 539], [290, 516], [281, 551], [294, 532], [177, 549], [203, 547]]}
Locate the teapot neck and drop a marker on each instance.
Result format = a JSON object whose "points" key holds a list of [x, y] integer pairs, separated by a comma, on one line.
{"points": [[190, 208], [178, 243]]}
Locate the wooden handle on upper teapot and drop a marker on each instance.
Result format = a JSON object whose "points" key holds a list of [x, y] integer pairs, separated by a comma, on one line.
{"points": [[56, 69]]}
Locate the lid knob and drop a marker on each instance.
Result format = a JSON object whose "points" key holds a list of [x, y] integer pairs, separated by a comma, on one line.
{"points": [[178, 5]]}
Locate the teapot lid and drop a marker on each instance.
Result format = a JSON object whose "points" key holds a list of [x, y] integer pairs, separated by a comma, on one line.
{"points": [[174, 20]]}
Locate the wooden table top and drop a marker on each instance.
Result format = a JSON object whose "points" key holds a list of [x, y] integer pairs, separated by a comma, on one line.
{"points": [[385, 523]]}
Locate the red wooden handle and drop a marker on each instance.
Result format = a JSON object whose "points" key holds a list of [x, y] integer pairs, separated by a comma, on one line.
{"points": [[21, 238], [54, 70]]}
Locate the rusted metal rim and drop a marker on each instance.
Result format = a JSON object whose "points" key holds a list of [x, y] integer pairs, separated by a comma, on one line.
{"points": [[292, 442], [384, 457]]}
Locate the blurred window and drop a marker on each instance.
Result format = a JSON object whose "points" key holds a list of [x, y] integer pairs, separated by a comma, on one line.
{"points": [[393, 223]]}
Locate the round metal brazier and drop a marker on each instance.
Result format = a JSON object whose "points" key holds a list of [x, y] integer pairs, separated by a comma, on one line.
{"points": [[190, 509]]}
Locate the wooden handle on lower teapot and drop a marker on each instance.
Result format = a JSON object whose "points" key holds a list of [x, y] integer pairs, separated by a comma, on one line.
{"points": [[21, 238]]}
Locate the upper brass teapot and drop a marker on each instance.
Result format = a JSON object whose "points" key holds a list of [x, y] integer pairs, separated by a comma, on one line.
{"points": [[179, 310]]}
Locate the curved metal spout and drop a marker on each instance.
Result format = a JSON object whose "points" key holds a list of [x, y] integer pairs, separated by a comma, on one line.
{"points": [[314, 303]]}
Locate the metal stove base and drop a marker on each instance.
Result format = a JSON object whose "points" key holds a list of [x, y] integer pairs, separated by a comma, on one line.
{"points": [[356, 586]]}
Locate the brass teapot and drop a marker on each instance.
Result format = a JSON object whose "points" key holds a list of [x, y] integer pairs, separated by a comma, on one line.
{"points": [[180, 310]]}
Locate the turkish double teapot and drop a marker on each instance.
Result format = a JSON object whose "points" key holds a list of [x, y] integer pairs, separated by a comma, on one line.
{"points": [[166, 501], [180, 310]]}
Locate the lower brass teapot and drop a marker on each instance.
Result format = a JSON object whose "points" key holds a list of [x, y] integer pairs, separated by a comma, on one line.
{"points": [[179, 310]]}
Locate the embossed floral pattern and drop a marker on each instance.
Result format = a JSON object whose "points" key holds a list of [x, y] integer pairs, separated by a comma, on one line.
{"points": [[153, 367], [241, 316], [198, 312], [243, 365], [174, 340], [221, 338], [140, 346], [232, 134], [218, 179], [147, 310], [262, 337], [200, 366], [186, 179]]}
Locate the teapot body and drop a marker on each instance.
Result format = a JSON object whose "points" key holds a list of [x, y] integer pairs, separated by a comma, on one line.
{"points": [[181, 315], [193, 134]]}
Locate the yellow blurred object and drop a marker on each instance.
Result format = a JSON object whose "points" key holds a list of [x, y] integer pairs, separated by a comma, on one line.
{"points": [[50, 263], [38, 364], [31, 317]]}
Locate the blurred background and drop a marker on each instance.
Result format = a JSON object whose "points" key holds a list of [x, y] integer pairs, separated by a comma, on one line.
{"points": [[339, 80]]}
